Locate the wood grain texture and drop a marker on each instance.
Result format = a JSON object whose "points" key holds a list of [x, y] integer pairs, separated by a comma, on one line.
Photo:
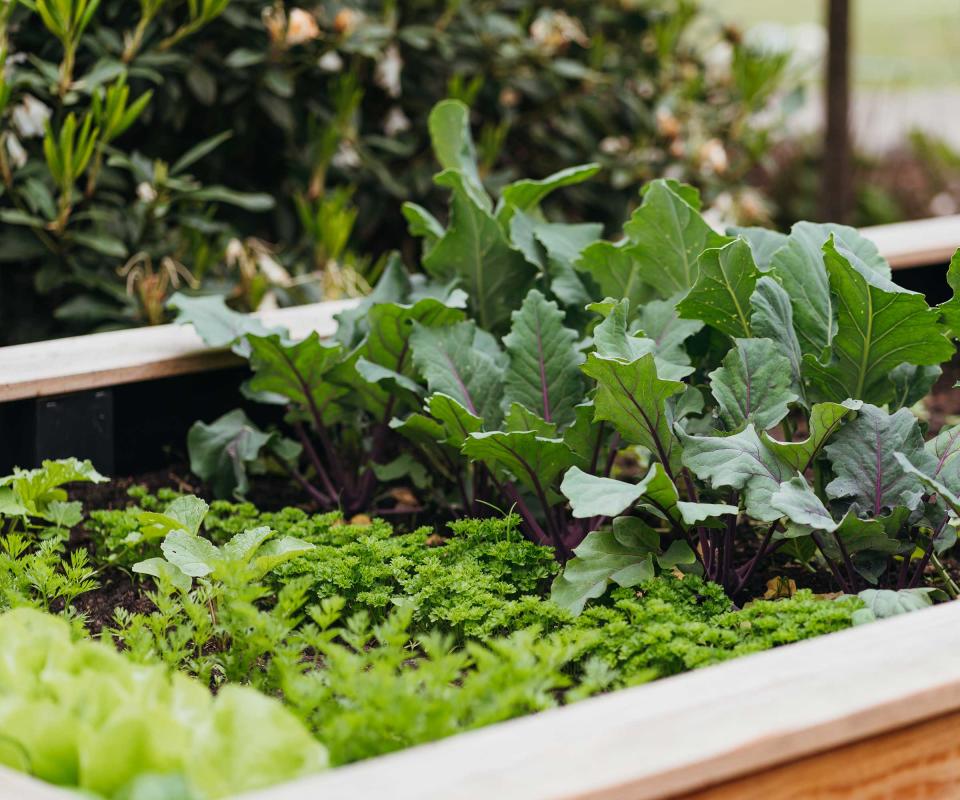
{"points": [[78, 363], [686, 733], [920, 762], [919, 243]]}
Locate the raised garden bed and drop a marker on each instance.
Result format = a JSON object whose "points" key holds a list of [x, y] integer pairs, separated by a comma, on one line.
{"points": [[624, 435]]}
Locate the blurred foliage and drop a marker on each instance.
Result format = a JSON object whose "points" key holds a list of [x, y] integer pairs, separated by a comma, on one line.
{"points": [[256, 149]]}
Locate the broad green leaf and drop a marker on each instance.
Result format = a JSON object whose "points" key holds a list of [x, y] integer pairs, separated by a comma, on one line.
{"points": [[391, 325], [449, 126], [912, 383], [721, 295], [465, 363], [163, 569], [623, 556], [521, 418], [772, 318], [35, 490], [183, 514], [526, 194], [944, 448], [824, 421], [668, 235], [544, 372], [242, 546], [763, 244], [277, 551], [221, 451], [798, 502], [867, 536], [194, 555], [634, 398], [660, 322], [738, 461], [594, 496], [613, 340], [799, 266], [951, 308], [448, 423], [563, 244], [884, 603], [216, 323], [476, 253], [862, 456], [937, 487], [535, 461], [586, 437], [880, 326], [616, 269], [753, 385], [298, 372]]}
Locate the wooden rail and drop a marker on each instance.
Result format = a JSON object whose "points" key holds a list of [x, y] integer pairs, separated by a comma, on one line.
{"points": [[58, 366], [873, 712], [919, 243]]}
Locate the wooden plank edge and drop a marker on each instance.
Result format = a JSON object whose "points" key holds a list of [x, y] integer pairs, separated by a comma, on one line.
{"points": [[685, 733], [920, 761], [916, 243], [79, 363]]}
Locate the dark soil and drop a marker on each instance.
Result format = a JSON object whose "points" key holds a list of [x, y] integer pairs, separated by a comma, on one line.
{"points": [[117, 590]]}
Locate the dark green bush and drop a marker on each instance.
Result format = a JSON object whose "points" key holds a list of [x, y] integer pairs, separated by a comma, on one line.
{"points": [[257, 149]]}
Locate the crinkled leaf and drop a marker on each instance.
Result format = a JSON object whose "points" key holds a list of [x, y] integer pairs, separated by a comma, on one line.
{"points": [[623, 556], [634, 398], [798, 502], [772, 318], [753, 385], [544, 372], [884, 603], [880, 325], [613, 340], [194, 555], [738, 461], [535, 461], [183, 514], [476, 253], [222, 451], [668, 235], [721, 295], [824, 421], [862, 456], [799, 266], [465, 363], [298, 372], [242, 546], [521, 418]]}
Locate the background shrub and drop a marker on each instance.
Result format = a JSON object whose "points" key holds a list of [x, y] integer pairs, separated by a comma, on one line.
{"points": [[279, 141]]}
